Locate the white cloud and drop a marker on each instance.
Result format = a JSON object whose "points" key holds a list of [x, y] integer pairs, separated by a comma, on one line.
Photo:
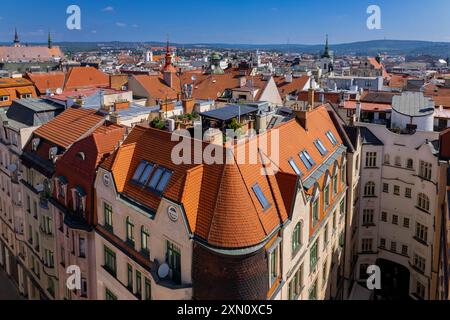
{"points": [[94, 31], [108, 9], [121, 24], [135, 25]]}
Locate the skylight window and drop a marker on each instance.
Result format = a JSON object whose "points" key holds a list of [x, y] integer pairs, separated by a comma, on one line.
{"points": [[307, 160], [153, 177], [261, 197], [319, 145], [332, 138], [159, 180], [295, 167]]}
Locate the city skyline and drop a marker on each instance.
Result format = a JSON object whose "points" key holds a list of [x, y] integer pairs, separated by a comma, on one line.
{"points": [[294, 22]]}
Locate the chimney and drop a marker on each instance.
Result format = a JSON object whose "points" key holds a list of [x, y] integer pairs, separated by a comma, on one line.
{"points": [[311, 96], [121, 105], [168, 78], [242, 81], [302, 115], [114, 118], [188, 105]]}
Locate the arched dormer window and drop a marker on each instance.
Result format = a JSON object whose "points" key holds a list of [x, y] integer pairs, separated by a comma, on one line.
{"points": [[410, 163], [81, 156]]}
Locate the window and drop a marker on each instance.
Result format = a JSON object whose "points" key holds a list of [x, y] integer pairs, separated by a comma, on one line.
{"points": [[313, 255], [398, 161], [326, 196], [386, 187], [368, 217], [421, 232], [367, 245], [369, 189], [425, 170], [130, 232], [383, 243], [396, 190], [313, 291], [387, 159], [410, 163], [147, 289], [307, 160], [335, 184], [84, 287], [344, 173], [423, 202], [261, 197], [334, 220], [155, 178], [144, 240], [315, 212], [129, 277], [173, 259], [82, 247], [371, 159], [408, 192], [393, 246], [332, 138], [296, 284], [109, 295], [419, 263], [363, 275], [325, 273], [296, 238], [325, 238], [107, 209], [295, 167], [406, 222], [420, 290], [384, 216], [4, 98], [273, 266], [404, 250], [395, 219], [343, 207], [110, 261], [319, 145], [138, 284], [51, 286]]}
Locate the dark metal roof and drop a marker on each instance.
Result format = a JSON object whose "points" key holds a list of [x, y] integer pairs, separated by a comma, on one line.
{"points": [[369, 137], [230, 112], [32, 112]]}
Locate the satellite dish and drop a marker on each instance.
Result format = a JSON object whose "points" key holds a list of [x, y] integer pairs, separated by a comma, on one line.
{"points": [[163, 270], [48, 92], [59, 91], [194, 78]]}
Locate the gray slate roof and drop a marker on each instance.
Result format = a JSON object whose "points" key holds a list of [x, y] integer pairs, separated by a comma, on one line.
{"points": [[413, 104]]}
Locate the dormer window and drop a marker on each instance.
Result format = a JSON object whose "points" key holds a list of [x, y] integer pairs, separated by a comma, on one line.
{"points": [[35, 144], [81, 156], [295, 167], [52, 153], [79, 201], [61, 187], [4, 98]]}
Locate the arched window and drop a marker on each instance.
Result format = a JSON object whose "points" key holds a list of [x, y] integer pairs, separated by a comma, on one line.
{"points": [[398, 161], [410, 163], [369, 189], [387, 159], [145, 235], [423, 202], [297, 237]]}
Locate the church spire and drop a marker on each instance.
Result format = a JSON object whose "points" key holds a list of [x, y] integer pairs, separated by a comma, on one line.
{"points": [[16, 37], [50, 42], [326, 53]]}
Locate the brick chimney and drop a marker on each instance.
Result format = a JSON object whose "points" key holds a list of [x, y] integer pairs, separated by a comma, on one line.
{"points": [[121, 105], [188, 105], [311, 98], [168, 78], [302, 115]]}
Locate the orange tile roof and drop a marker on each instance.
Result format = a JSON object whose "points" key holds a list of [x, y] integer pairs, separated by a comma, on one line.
{"points": [[220, 205], [367, 106], [70, 126], [13, 88], [157, 88], [85, 77], [50, 80]]}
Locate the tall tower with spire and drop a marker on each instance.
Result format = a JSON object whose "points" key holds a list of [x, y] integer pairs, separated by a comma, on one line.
{"points": [[16, 38], [50, 42], [168, 70], [326, 53]]}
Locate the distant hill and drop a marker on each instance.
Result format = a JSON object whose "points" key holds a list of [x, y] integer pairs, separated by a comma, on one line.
{"points": [[393, 47]]}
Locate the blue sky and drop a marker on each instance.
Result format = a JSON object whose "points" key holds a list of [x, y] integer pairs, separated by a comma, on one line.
{"points": [[227, 21]]}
